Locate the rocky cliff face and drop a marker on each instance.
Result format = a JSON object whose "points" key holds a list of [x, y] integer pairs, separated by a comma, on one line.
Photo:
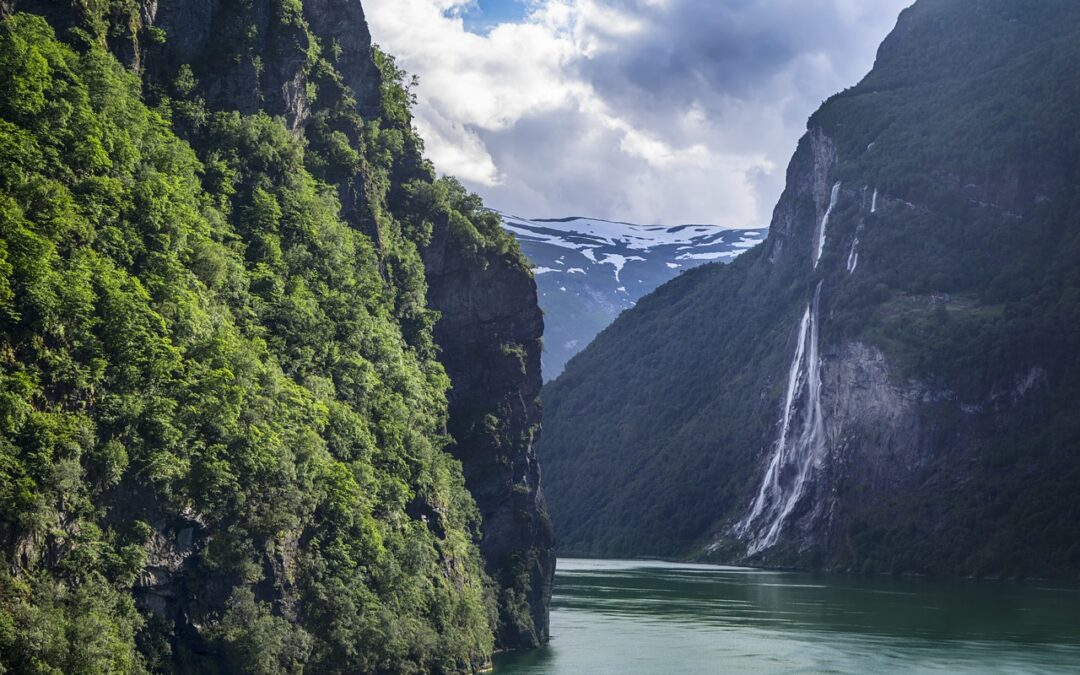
{"points": [[490, 333], [882, 435], [312, 64], [805, 199], [885, 384]]}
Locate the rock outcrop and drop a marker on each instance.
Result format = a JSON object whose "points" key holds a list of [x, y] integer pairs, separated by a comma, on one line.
{"points": [[490, 333]]}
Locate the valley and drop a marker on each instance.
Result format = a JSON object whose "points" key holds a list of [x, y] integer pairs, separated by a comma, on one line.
{"points": [[589, 271], [280, 394]]}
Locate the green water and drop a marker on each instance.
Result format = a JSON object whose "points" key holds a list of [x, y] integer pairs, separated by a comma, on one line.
{"points": [[630, 617]]}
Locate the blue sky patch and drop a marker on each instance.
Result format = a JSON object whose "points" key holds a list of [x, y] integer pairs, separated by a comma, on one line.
{"points": [[486, 14]]}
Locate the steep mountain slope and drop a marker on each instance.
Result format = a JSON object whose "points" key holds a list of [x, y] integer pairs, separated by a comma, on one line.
{"points": [[267, 388], [891, 381], [588, 271]]}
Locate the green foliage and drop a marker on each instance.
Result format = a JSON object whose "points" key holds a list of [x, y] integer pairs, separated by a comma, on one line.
{"points": [[418, 200], [51, 627], [255, 641], [397, 91], [194, 329]]}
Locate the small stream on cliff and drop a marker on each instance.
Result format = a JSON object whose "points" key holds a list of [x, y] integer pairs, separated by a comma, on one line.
{"points": [[630, 617]]}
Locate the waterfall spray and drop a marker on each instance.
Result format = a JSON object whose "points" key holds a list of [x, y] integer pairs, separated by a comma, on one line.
{"points": [[825, 223], [853, 256], [798, 452]]}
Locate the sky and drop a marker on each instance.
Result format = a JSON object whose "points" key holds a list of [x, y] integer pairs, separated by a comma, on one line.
{"points": [[644, 111]]}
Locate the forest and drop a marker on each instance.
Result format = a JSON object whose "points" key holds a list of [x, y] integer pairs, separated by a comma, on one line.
{"points": [[207, 375]]}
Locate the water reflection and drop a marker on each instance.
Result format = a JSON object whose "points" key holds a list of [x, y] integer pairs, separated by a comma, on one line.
{"points": [[645, 617]]}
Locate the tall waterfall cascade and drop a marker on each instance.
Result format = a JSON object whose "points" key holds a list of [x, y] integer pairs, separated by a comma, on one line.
{"points": [[800, 450]]}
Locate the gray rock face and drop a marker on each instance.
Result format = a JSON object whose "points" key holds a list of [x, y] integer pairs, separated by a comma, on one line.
{"points": [[342, 23], [871, 426], [873, 431], [188, 27], [883, 436], [490, 335], [175, 587], [246, 57], [804, 200]]}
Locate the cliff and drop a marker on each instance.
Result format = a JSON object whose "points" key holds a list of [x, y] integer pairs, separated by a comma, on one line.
{"points": [[888, 383], [330, 466], [491, 348]]}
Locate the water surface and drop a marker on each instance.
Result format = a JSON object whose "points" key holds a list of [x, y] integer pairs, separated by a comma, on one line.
{"points": [[631, 617]]}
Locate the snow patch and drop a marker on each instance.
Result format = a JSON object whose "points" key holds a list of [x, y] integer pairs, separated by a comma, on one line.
{"points": [[618, 262], [708, 255], [585, 233]]}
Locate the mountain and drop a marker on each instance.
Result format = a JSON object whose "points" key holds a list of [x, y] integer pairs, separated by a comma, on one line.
{"points": [[588, 271], [890, 382], [268, 388]]}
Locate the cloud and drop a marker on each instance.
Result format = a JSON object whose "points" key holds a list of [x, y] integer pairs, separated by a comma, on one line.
{"points": [[653, 111]]}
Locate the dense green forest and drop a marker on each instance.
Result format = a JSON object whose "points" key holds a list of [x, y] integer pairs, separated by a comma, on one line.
{"points": [[967, 284], [208, 376]]}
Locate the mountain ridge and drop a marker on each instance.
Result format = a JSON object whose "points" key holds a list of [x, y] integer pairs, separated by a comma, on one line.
{"points": [[589, 270], [887, 384]]}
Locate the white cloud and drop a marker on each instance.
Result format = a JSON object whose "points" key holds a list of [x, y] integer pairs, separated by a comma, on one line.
{"points": [[455, 148], [641, 110]]}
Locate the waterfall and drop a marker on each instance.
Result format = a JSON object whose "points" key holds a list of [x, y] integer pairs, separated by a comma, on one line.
{"points": [[800, 450], [853, 257], [771, 485], [825, 223], [873, 202]]}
